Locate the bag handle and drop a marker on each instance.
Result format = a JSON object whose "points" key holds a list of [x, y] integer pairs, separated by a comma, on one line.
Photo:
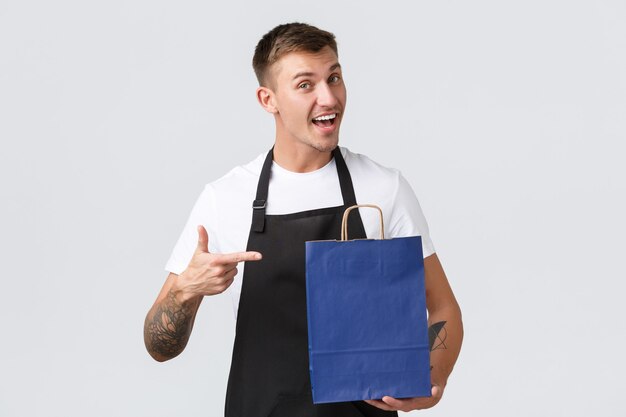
{"points": [[344, 221]]}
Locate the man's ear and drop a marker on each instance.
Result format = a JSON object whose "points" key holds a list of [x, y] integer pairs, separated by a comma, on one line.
{"points": [[266, 99]]}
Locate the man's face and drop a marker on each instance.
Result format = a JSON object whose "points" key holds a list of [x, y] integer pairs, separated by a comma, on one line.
{"points": [[309, 99]]}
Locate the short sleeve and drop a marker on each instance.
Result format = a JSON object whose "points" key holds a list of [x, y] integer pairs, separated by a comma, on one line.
{"points": [[407, 218], [202, 213]]}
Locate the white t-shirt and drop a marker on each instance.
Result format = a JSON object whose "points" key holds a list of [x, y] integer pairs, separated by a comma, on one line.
{"points": [[224, 207]]}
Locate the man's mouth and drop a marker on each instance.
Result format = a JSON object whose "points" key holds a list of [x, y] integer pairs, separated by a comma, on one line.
{"points": [[326, 120]]}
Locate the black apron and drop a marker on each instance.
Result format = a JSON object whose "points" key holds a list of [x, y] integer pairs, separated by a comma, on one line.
{"points": [[269, 375]]}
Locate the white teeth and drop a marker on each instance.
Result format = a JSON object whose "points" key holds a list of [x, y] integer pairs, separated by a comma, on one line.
{"points": [[328, 117]]}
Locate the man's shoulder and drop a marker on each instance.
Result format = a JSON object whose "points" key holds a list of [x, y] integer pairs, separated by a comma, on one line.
{"points": [[240, 174], [361, 165], [237, 185]]}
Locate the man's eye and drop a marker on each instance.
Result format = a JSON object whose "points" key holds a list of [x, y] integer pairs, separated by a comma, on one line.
{"points": [[334, 79], [304, 85]]}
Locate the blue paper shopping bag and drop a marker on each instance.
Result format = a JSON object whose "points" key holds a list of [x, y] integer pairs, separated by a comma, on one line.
{"points": [[366, 312]]}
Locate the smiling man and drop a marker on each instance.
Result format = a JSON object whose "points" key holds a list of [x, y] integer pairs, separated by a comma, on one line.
{"points": [[261, 213]]}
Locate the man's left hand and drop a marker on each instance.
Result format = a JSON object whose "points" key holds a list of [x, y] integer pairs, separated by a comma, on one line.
{"points": [[408, 404]]}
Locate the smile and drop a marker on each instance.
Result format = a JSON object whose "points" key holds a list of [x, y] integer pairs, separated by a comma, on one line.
{"points": [[325, 121]]}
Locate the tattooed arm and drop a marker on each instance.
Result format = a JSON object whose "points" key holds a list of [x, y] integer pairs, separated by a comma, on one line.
{"points": [[169, 322], [445, 336], [444, 319]]}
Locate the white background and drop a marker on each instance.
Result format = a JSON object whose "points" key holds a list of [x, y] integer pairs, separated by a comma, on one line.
{"points": [[508, 118]]}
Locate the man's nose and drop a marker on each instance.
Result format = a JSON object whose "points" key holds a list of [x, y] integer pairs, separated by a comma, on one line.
{"points": [[326, 97]]}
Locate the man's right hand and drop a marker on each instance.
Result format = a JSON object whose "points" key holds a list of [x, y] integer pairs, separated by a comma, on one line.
{"points": [[209, 273]]}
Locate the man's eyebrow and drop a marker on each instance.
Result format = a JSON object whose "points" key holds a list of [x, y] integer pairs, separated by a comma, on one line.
{"points": [[308, 73], [302, 74]]}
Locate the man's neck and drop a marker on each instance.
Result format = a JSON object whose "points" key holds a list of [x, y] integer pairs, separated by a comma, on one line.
{"points": [[300, 158]]}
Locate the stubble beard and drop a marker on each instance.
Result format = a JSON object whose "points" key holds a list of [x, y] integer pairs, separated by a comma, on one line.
{"points": [[324, 145]]}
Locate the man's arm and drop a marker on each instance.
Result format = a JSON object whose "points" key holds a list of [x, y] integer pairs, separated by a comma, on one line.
{"points": [[169, 322], [445, 334], [444, 320]]}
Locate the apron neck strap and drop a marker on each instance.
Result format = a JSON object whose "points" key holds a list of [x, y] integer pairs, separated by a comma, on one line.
{"points": [[260, 202], [345, 180]]}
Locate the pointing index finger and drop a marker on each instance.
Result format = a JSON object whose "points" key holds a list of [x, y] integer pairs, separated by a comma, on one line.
{"points": [[240, 257]]}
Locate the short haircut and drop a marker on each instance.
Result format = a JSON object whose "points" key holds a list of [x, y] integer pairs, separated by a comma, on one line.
{"points": [[286, 38]]}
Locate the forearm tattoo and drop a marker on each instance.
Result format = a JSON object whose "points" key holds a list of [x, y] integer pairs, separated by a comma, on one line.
{"points": [[167, 331], [437, 336]]}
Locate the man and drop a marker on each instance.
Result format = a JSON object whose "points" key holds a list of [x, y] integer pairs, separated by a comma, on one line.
{"points": [[271, 206]]}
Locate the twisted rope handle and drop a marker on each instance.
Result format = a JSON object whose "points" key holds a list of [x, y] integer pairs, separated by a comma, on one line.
{"points": [[344, 221]]}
